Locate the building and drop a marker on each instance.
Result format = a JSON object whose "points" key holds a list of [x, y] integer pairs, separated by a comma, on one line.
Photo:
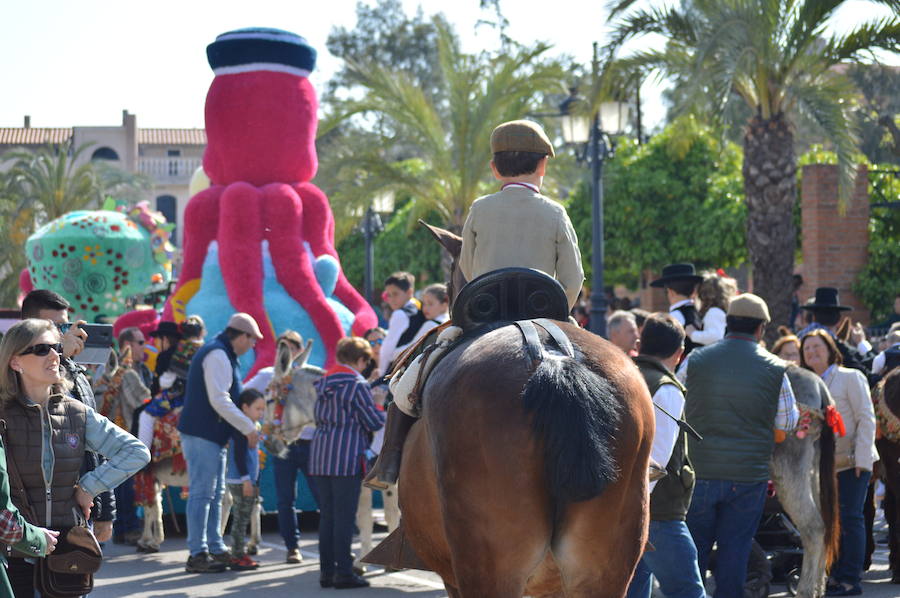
{"points": [[168, 156]]}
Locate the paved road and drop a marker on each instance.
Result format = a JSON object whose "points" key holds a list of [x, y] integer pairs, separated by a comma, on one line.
{"points": [[128, 574]]}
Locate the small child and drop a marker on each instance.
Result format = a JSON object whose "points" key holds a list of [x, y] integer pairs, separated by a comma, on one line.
{"points": [[242, 478], [406, 318], [715, 293], [518, 226], [435, 311], [680, 282]]}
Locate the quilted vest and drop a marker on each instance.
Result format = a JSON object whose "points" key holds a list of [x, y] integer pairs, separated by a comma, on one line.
{"points": [[25, 438], [198, 418], [732, 400], [671, 497]]}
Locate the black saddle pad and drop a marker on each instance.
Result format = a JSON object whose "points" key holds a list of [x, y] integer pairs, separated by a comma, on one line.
{"points": [[509, 294]]}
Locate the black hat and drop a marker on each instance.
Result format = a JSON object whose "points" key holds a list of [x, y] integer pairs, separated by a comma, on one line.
{"points": [[677, 272], [826, 298], [261, 49], [167, 329]]}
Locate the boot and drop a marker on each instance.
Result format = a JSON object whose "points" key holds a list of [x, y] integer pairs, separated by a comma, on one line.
{"points": [[387, 467]]}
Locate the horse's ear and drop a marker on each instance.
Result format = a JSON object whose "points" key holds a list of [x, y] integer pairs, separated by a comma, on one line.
{"points": [[112, 363], [451, 242], [301, 359]]}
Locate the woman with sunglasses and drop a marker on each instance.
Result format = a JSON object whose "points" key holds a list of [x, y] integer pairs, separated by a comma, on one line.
{"points": [[46, 435]]}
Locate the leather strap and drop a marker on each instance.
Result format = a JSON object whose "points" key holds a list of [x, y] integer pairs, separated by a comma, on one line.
{"points": [[534, 348], [557, 334]]}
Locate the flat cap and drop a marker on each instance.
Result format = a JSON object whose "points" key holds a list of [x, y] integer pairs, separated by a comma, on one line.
{"points": [[748, 305], [245, 323], [521, 136]]}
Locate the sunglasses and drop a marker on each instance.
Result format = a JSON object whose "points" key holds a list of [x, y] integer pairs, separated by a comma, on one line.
{"points": [[376, 342], [43, 349]]}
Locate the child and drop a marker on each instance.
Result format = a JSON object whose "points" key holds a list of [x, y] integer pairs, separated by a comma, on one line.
{"points": [[680, 282], [406, 318], [517, 226], [242, 478], [435, 310], [715, 293]]}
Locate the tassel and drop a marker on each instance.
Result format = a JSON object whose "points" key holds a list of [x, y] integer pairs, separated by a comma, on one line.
{"points": [[835, 421]]}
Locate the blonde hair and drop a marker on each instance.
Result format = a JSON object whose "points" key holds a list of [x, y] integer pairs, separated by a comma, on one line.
{"points": [[17, 339], [715, 291]]}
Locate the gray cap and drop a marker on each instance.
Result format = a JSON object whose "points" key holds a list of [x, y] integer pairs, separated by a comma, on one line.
{"points": [[245, 323], [748, 305], [521, 136]]}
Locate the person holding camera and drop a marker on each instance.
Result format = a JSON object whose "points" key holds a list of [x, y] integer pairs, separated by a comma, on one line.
{"points": [[48, 305], [46, 435]]}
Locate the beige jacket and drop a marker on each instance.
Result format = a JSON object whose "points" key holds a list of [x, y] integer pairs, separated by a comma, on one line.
{"points": [[518, 227], [851, 396]]}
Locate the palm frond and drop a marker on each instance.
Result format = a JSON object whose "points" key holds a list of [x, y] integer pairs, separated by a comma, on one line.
{"points": [[883, 34]]}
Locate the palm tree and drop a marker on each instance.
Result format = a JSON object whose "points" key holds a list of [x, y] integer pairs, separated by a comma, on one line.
{"points": [[436, 149], [773, 56]]}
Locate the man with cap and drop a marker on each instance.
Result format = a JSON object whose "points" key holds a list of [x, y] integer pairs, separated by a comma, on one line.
{"points": [[209, 415], [737, 395], [515, 227], [826, 311], [518, 226], [680, 282]]}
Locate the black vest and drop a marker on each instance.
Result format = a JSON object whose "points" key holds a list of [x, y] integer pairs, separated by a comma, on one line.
{"points": [[691, 318], [416, 320], [671, 497]]}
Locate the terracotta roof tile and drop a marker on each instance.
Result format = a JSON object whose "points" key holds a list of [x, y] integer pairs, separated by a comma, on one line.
{"points": [[172, 137], [32, 136]]}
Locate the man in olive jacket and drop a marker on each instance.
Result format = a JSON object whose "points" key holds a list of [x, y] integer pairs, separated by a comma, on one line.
{"points": [[738, 394], [674, 560]]}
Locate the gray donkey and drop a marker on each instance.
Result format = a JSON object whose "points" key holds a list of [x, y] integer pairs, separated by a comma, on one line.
{"points": [[805, 482]]}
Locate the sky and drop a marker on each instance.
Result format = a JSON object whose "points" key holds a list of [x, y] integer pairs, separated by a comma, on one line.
{"points": [[81, 63]]}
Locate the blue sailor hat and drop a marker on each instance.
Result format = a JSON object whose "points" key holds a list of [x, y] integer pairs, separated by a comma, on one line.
{"points": [[261, 49]]}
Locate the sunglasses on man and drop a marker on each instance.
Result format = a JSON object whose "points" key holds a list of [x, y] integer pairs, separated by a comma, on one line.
{"points": [[43, 349]]}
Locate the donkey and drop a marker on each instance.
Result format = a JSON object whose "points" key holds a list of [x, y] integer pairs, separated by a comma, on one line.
{"points": [[803, 472], [529, 478], [887, 412]]}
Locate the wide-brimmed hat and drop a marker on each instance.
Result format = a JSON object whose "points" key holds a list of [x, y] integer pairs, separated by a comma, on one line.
{"points": [[826, 298], [167, 329], [674, 272]]}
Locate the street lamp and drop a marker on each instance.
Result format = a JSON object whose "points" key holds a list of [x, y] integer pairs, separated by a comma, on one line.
{"points": [[595, 130], [370, 226]]}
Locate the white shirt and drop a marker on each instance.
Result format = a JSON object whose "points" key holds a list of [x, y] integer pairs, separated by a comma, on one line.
{"points": [[713, 327], [396, 327], [261, 380], [878, 362], [669, 397], [673, 309], [428, 325], [217, 374]]}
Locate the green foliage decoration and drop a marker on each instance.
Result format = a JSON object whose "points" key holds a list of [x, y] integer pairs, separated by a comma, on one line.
{"points": [[677, 198]]}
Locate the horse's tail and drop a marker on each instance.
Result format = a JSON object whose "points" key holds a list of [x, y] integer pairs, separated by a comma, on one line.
{"points": [[575, 413], [828, 494]]}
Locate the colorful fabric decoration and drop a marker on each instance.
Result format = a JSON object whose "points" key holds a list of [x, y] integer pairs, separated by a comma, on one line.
{"points": [[260, 239], [97, 259], [887, 420]]}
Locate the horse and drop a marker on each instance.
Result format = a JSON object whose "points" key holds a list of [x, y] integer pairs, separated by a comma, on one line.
{"points": [[886, 398], [802, 468], [525, 478]]}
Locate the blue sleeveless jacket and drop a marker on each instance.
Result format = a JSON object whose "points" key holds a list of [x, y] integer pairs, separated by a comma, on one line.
{"points": [[198, 418]]}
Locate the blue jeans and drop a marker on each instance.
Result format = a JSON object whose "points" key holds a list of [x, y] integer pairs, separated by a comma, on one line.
{"points": [[285, 471], [206, 478], [727, 514], [338, 497], [126, 514], [852, 496], [673, 563]]}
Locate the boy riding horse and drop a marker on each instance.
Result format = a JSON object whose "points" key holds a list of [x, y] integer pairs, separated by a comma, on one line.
{"points": [[515, 227]]}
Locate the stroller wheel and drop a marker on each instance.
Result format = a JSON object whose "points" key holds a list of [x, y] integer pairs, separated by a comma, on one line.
{"points": [[793, 581]]}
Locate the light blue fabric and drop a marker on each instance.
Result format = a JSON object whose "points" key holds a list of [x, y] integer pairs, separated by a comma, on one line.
{"points": [[212, 304], [206, 472]]}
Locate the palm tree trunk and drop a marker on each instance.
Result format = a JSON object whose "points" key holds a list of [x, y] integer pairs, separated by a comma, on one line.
{"points": [[770, 189]]}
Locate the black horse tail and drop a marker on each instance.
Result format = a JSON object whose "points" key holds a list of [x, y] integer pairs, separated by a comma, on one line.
{"points": [[828, 494], [575, 413]]}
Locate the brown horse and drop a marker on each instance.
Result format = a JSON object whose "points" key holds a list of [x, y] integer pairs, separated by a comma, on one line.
{"points": [[887, 411], [529, 480]]}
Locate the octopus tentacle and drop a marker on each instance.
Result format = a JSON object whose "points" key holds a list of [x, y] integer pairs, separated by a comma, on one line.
{"points": [[318, 230], [284, 218], [241, 262]]}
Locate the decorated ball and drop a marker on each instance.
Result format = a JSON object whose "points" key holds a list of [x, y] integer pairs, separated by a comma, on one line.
{"points": [[96, 260]]}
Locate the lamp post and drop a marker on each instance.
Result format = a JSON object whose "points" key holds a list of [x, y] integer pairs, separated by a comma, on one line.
{"points": [[594, 130], [371, 226]]}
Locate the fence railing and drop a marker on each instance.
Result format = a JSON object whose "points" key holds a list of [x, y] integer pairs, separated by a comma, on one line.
{"points": [[169, 170]]}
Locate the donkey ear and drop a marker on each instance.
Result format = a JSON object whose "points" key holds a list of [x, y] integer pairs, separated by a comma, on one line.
{"points": [[301, 359], [451, 242], [282, 358]]}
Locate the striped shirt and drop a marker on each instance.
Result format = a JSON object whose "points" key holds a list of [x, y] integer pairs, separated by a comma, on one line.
{"points": [[345, 416]]}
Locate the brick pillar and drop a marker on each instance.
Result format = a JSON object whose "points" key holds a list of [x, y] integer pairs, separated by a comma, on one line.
{"points": [[652, 299], [835, 245]]}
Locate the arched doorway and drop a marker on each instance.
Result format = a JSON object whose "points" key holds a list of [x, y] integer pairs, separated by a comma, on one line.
{"points": [[168, 205], [105, 153]]}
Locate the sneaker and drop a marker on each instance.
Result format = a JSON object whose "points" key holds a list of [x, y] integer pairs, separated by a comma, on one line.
{"points": [[203, 563], [147, 549], [348, 583], [294, 556], [223, 557], [245, 563]]}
